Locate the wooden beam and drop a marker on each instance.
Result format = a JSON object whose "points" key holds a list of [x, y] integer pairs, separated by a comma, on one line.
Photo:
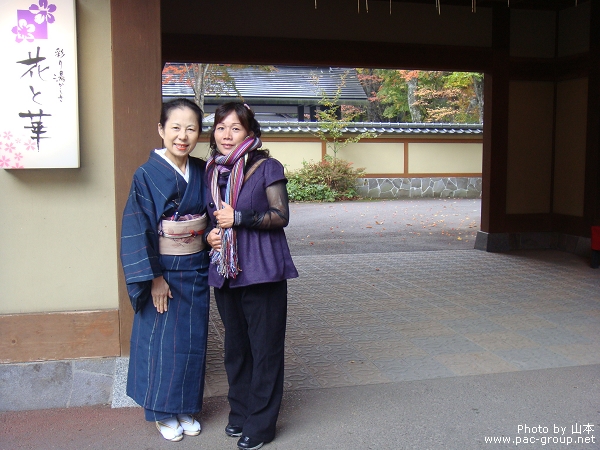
{"points": [[137, 100], [495, 128], [592, 164], [263, 50]]}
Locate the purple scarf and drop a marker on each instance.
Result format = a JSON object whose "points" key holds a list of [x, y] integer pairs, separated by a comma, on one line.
{"points": [[227, 259]]}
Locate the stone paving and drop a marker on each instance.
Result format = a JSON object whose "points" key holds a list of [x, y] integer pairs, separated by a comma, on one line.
{"points": [[388, 317], [440, 187]]}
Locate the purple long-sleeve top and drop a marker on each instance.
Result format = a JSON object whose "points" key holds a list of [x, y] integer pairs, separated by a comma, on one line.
{"points": [[263, 212]]}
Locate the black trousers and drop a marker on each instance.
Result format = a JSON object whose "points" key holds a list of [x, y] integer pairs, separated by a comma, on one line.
{"points": [[254, 318]]}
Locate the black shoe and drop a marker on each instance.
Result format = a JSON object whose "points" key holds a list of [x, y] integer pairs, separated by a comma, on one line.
{"points": [[233, 430], [246, 443]]}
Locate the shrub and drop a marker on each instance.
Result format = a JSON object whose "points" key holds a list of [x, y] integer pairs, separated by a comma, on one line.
{"points": [[299, 192], [328, 180]]}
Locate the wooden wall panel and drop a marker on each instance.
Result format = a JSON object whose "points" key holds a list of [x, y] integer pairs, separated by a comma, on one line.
{"points": [[56, 336], [530, 141]]}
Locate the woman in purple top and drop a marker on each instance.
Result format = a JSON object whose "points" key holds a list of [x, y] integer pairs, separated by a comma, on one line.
{"points": [[250, 265]]}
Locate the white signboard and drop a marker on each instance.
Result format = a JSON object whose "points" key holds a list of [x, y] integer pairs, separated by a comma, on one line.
{"points": [[39, 120]]}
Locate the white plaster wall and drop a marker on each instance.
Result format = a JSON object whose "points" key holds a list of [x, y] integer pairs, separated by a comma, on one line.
{"points": [[293, 154], [58, 248], [375, 157], [444, 158], [289, 153]]}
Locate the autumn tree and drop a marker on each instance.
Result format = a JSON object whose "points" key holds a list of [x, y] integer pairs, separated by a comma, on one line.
{"points": [[431, 96], [216, 79], [370, 80], [449, 97]]}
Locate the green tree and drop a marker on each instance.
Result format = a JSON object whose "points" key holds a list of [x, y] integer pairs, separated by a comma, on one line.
{"points": [[333, 119], [393, 95], [332, 178]]}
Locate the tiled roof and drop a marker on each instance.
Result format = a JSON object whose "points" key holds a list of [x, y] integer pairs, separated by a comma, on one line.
{"points": [[289, 127], [284, 85]]}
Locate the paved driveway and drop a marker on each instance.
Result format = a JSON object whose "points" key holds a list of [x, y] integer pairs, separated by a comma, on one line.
{"points": [[383, 226]]}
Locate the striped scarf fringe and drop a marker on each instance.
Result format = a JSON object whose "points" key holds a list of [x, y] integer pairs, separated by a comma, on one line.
{"points": [[226, 260]]}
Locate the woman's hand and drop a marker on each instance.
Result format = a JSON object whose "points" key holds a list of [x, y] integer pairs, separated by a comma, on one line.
{"points": [[224, 216], [214, 239], [160, 294]]}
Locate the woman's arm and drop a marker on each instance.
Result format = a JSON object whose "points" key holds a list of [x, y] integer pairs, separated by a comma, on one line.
{"points": [[277, 216]]}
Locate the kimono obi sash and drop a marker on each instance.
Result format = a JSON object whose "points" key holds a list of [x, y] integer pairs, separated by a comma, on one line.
{"points": [[181, 237]]}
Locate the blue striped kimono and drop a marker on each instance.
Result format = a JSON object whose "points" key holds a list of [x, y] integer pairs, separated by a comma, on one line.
{"points": [[168, 351]]}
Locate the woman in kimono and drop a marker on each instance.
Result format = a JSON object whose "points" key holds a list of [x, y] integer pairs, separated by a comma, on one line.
{"points": [[251, 263], [166, 271]]}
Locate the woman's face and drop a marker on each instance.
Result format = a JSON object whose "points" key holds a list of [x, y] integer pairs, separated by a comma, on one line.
{"points": [[229, 134], [180, 133]]}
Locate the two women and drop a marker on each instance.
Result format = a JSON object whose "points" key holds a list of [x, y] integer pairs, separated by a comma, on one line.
{"points": [[167, 273]]}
